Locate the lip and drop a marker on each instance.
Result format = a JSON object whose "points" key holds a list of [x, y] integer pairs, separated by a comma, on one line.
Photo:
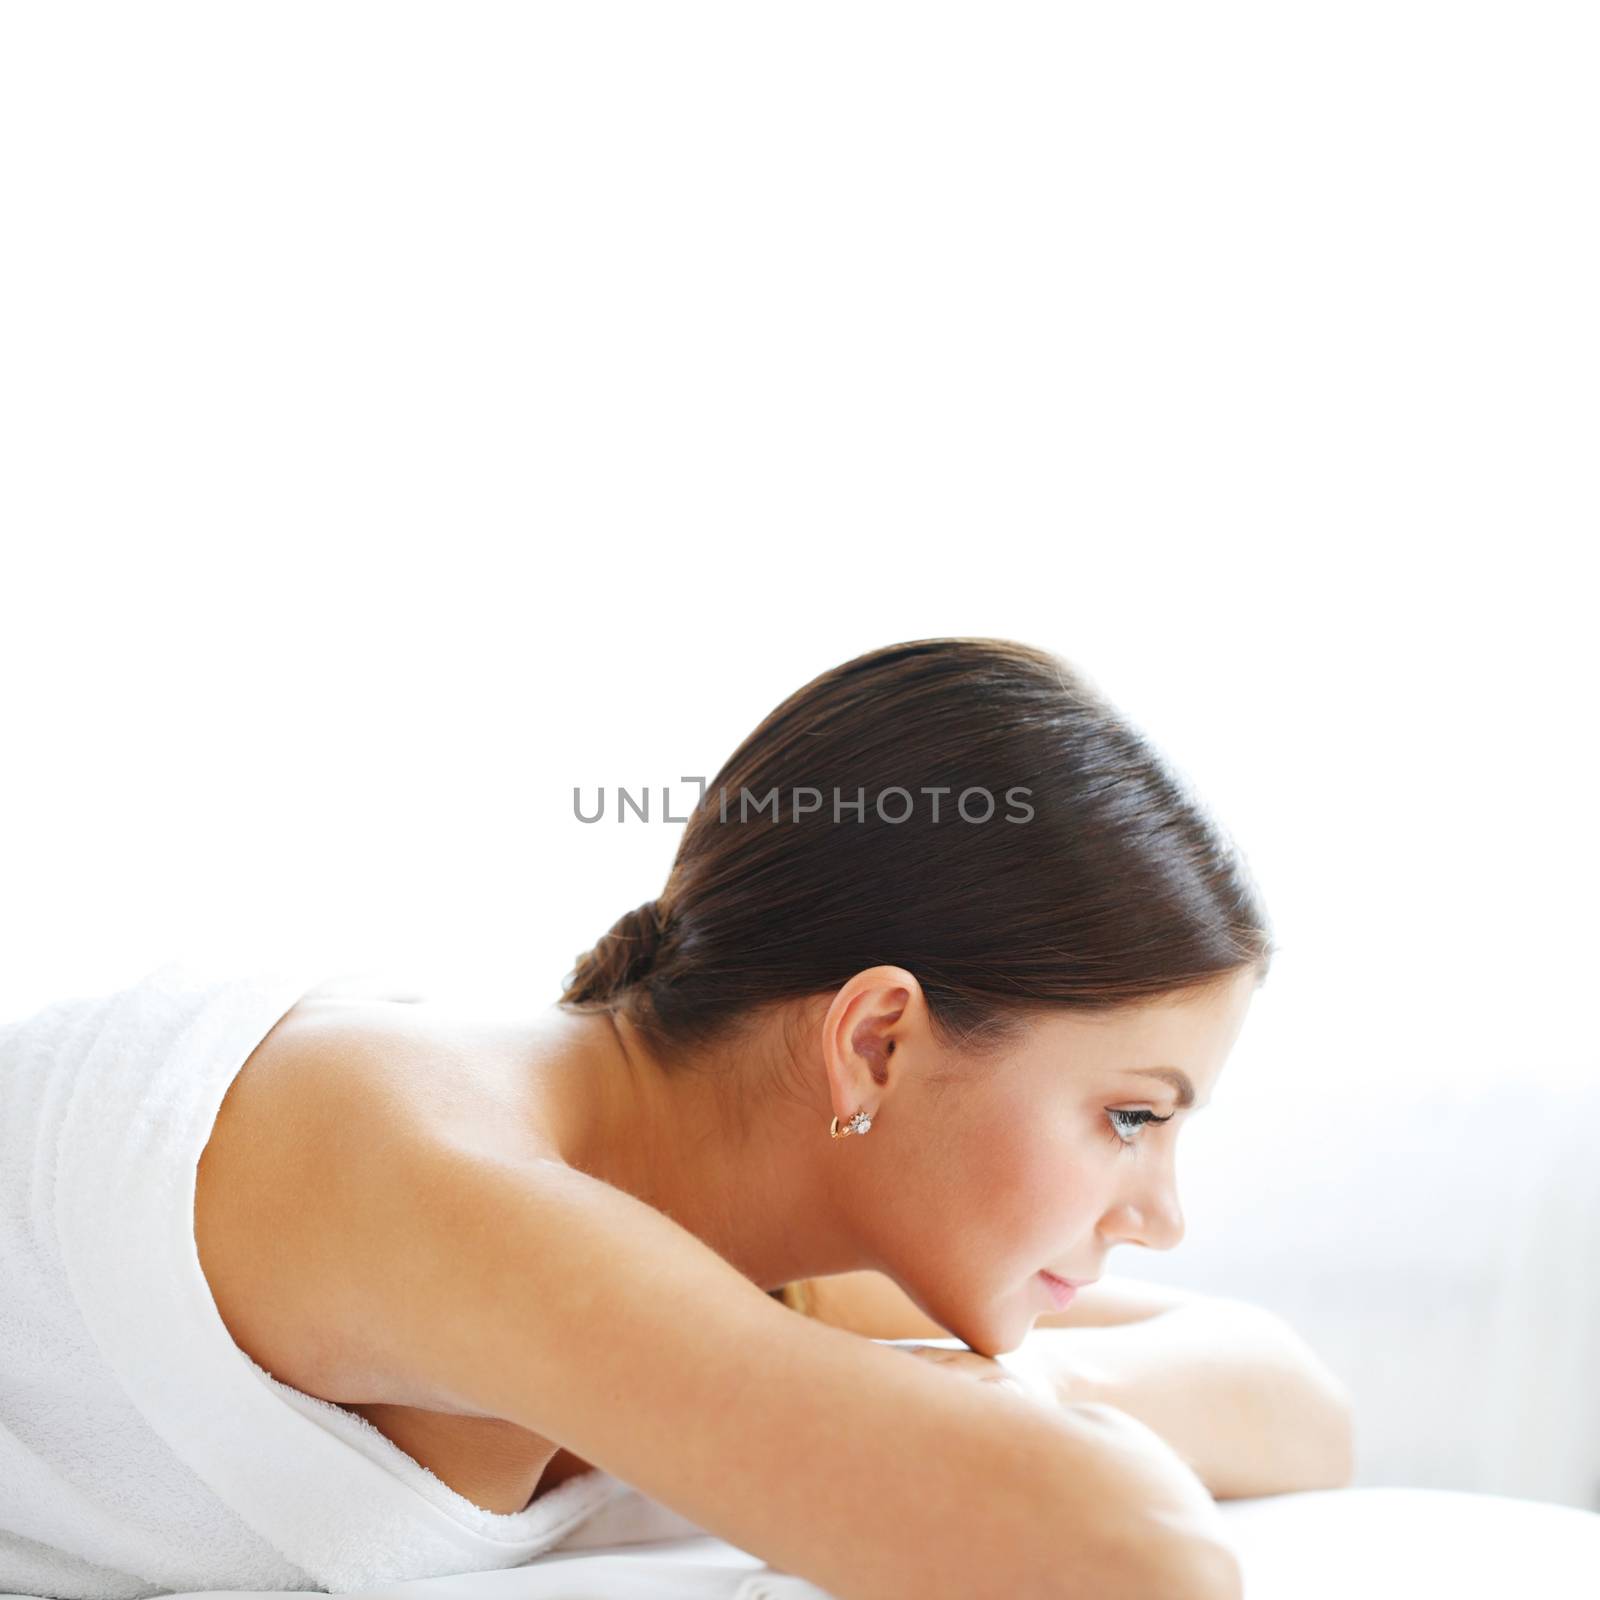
{"points": [[1063, 1290]]}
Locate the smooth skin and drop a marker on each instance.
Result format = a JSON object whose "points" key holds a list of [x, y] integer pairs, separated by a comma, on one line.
{"points": [[959, 1194], [530, 1228]]}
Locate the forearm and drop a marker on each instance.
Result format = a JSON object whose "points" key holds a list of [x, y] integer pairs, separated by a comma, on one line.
{"points": [[1229, 1386]]}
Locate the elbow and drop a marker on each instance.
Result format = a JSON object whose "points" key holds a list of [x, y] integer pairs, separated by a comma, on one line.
{"points": [[1198, 1568], [1332, 1431], [1342, 1441], [1317, 1452], [1211, 1572], [1203, 1567], [1326, 1457], [1182, 1556]]}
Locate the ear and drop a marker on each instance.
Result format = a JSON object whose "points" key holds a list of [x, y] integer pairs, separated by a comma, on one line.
{"points": [[865, 1021]]}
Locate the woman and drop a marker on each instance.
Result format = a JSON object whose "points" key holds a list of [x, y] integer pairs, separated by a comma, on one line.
{"points": [[947, 958]]}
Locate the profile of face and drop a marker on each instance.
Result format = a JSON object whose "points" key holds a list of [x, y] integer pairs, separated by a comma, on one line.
{"points": [[1043, 1157]]}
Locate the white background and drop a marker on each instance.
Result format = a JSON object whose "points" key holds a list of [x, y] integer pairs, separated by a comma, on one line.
{"points": [[412, 412]]}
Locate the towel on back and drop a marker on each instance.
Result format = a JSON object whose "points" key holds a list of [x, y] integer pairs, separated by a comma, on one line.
{"points": [[142, 1451]]}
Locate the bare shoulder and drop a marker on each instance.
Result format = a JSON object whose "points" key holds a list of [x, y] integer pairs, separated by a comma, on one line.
{"points": [[330, 1116]]}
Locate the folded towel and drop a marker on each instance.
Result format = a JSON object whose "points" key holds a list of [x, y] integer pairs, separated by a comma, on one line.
{"points": [[142, 1452]]}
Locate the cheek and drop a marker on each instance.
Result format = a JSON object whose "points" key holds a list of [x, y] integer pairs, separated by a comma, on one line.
{"points": [[1056, 1181], [1040, 1190], [999, 1203]]}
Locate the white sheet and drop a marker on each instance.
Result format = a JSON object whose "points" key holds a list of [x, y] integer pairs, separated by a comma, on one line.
{"points": [[1343, 1544]]}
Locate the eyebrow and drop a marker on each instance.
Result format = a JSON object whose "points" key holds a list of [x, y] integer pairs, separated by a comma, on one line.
{"points": [[1178, 1081]]}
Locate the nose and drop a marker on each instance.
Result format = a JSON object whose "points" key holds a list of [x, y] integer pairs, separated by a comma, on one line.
{"points": [[1148, 1212]]}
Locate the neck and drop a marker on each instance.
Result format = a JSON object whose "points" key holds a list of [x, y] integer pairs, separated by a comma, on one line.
{"points": [[769, 1197]]}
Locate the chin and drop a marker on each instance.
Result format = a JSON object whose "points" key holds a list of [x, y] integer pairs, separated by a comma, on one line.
{"points": [[992, 1339], [1000, 1328], [996, 1346]]}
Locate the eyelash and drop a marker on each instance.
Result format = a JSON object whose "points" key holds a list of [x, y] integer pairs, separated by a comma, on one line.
{"points": [[1145, 1117]]}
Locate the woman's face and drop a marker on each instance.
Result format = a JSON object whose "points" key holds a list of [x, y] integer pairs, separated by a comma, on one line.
{"points": [[1044, 1158]]}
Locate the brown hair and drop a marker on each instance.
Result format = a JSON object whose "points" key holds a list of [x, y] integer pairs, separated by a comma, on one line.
{"points": [[796, 1295], [1116, 886]]}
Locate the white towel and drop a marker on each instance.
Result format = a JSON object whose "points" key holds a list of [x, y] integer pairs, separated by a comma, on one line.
{"points": [[142, 1451]]}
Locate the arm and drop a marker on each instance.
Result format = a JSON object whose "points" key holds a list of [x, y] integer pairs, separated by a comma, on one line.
{"points": [[1229, 1385], [352, 1253], [707, 1397], [1241, 1397]]}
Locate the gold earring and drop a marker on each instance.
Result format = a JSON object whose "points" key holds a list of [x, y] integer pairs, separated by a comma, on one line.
{"points": [[859, 1123]]}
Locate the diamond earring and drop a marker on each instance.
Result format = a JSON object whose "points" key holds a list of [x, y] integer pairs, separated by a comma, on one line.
{"points": [[859, 1123]]}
